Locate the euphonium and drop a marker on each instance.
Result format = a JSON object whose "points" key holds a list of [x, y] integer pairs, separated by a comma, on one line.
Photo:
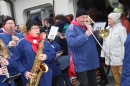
{"points": [[38, 67]]}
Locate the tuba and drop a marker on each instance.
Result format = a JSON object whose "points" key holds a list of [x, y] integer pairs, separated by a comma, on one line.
{"points": [[38, 67]]}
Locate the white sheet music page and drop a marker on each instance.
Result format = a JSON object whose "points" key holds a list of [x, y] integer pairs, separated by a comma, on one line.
{"points": [[99, 26], [53, 32]]}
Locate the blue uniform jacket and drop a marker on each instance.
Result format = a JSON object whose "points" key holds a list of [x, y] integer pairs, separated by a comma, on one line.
{"points": [[125, 77], [2, 77], [24, 57], [84, 52], [55, 69], [7, 38]]}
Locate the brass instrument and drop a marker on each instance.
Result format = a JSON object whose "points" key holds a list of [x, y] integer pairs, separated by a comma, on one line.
{"points": [[101, 34], [89, 20], [38, 67]]}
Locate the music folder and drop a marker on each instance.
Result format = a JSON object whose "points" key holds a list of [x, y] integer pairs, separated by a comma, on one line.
{"points": [[53, 32], [99, 26], [11, 78]]}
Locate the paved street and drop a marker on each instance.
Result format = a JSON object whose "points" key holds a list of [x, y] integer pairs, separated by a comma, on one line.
{"points": [[110, 80]]}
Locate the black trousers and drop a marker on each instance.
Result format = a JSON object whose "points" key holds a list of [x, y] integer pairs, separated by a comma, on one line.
{"points": [[102, 70], [18, 81], [55, 80], [87, 78]]}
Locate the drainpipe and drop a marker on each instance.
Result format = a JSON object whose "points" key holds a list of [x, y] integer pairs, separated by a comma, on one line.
{"points": [[11, 7]]}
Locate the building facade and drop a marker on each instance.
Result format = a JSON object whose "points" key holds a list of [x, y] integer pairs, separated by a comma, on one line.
{"points": [[21, 10]]}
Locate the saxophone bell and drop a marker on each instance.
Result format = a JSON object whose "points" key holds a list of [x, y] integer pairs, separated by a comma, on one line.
{"points": [[43, 67]]}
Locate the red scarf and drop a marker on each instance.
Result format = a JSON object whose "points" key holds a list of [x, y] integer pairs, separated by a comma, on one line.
{"points": [[74, 22], [34, 40]]}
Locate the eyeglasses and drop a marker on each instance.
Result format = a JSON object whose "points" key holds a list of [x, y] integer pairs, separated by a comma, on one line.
{"points": [[35, 28], [9, 23]]}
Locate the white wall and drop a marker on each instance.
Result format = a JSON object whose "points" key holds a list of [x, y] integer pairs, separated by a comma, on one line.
{"points": [[61, 7], [5, 8], [21, 5]]}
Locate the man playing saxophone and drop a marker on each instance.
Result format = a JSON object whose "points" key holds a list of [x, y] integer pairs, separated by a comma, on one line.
{"points": [[26, 55]]}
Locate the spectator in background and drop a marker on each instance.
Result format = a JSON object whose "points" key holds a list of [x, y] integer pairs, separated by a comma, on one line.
{"points": [[114, 46], [37, 19], [124, 20], [22, 29], [17, 28], [51, 15], [43, 24], [60, 21], [69, 18], [48, 23]]}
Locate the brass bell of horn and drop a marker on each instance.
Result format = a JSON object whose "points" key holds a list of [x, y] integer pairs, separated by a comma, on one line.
{"points": [[102, 34]]}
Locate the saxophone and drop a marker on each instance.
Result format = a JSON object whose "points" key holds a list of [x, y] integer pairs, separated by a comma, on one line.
{"points": [[38, 67]]}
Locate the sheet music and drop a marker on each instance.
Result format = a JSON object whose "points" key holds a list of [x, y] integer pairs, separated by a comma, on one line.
{"points": [[53, 32], [99, 26]]}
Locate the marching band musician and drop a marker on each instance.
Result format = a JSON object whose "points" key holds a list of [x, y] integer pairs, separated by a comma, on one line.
{"points": [[10, 38], [25, 52], [55, 69], [3, 64], [83, 47], [9, 33]]}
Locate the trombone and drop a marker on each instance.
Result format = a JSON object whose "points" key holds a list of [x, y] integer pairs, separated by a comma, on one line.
{"points": [[101, 34]]}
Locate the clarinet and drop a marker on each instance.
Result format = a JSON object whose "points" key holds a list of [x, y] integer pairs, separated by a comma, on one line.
{"points": [[11, 32], [6, 72]]}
